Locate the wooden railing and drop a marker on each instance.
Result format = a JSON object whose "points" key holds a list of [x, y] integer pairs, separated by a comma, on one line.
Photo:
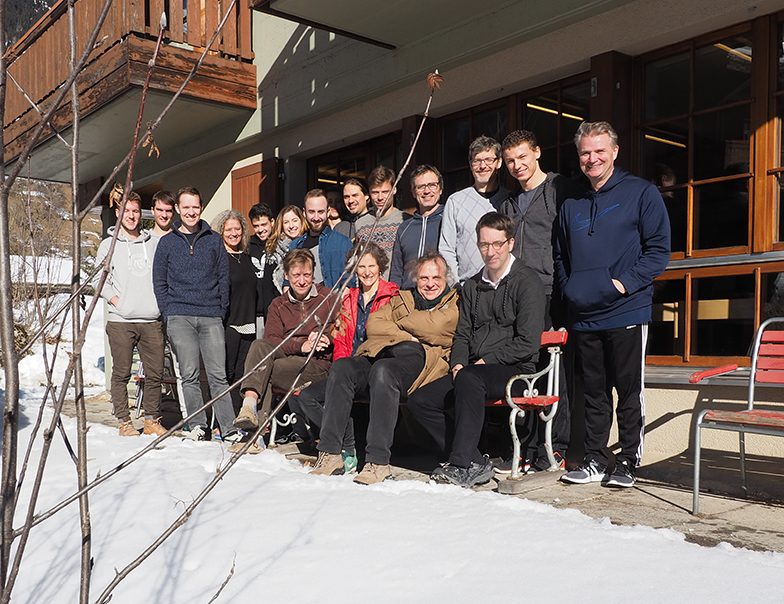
{"points": [[40, 62]]}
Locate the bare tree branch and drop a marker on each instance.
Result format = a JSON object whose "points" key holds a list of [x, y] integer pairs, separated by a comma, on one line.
{"points": [[226, 582]]}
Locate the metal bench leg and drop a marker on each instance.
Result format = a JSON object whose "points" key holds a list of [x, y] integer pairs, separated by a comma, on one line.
{"points": [[548, 437], [742, 447], [696, 504], [515, 442]]}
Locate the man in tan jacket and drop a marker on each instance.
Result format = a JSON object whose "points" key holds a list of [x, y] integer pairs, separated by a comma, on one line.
{"points": [[407, 346]]}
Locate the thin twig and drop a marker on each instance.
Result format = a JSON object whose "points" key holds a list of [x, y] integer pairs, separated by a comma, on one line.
{"points": [[226, 582], [38, 110]]}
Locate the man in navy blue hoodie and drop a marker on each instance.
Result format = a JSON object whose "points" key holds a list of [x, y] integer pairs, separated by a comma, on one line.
{"points": [[191, 282], [612, 242]]}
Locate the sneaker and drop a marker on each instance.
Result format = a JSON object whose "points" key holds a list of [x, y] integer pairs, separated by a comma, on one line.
{"points": [[198, 433], [328, 464], [153, 426], [373, 473], [349, 462], [505, 467], [476, 473], [246, 419], [588, 471], [543, 464], [232, 438], [622, 475], [127, 429]]}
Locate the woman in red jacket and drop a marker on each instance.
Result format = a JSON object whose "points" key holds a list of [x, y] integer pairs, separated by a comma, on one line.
{"points": [[358, 304]]}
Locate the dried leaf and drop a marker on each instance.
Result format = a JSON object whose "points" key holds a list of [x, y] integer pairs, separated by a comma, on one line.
{"points": [[434, 80], [115, 195], [150, 141]]}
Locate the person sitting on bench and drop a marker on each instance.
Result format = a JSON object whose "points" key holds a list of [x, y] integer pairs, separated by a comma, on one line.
{"points": [[407, 345], [498, 336]]}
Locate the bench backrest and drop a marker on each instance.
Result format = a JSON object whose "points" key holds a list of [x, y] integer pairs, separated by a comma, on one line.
{"points": [[767, 361]]}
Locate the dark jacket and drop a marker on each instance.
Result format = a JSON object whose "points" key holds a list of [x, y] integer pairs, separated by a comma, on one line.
{"points": [[264, 266], [502, 325], [191, 281], [413, 238], [620, 232], [535, 227], [332, 249], [284, 316]]}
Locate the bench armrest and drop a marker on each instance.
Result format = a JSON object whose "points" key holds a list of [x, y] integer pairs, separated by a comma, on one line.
{"points": [[701, 375]]}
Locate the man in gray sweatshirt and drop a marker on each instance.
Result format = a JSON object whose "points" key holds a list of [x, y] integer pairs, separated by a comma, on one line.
{"points": [[133, 318]]}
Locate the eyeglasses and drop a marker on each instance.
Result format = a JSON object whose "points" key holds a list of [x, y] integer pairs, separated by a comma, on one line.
{"points": [[487, 162], [430, 186], [497, 245]]}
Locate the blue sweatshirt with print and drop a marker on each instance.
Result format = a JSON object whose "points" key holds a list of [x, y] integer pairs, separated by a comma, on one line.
{"points": [[620, 232]]}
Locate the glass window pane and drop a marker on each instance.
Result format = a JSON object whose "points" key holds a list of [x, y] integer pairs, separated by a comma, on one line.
{"points": [[780, 207], [326, 175], [540, 116], [455, 181], [352, 167], [575, 108], [665, 153], [490, 123], [570, 163], [781, 57], [723, 315], [455, 136], [666, 92], [721, 143], [722, 72], [665, 336], [721, 214], [677, 203], [385, 156], [772, 295]]}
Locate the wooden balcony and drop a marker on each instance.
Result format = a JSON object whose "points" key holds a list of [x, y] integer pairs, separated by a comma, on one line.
{"points": [[39, 62]]}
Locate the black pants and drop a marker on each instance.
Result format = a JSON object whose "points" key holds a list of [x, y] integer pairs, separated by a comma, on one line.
{"points": [[385, 379], [237, 347], [617, 355], [310, 404], [474, 384]]}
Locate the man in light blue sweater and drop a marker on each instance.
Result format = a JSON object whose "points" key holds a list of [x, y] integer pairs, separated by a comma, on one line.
{"points": [[464, 208]]}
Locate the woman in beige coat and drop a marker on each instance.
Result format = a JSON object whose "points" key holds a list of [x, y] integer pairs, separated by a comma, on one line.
{"points": [[407, 346]]}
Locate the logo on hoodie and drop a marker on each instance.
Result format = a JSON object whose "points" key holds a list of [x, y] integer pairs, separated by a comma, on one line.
{"points": [[579, 225]]}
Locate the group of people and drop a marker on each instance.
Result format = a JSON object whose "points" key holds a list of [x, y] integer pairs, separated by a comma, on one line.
{"points": [[442, 308]]}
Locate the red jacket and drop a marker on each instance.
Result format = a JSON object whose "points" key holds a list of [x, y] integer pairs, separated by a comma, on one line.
{"points": [[347, 321]]}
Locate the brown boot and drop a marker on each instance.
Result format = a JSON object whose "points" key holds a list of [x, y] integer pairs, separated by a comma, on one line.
{"points": [[328, 464], [373, 473], [126, 428], [246, 419], [153, 426]]}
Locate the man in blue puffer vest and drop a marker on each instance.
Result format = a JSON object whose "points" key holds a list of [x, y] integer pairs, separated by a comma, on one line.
{"points": [[612, 242], [328, 247]]}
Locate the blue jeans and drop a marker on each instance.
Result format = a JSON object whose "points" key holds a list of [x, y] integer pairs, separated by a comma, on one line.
{"points": [[190, 336]]}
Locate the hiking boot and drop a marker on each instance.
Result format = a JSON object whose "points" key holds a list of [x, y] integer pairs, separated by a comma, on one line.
{"points": [[254, 449], [588, 471], [127, 429], [622, 475], [246, 419], [505, 467], [474, 474], [349, 462], [153, 426], [198, 433], [328, 464], [543, 464], [373, 473]]}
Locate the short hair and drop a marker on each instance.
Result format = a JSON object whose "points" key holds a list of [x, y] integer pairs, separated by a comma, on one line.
{"points": [[483, 143], [357, 182], [221, 219], [165, 197], [334, 189], [374, 250], [596, 129], [298, 256], [424, 169], [413, 266], [189, 191], [315, 193], [134, 196], [260, 210], [517, 138], [497, 222], [379, 175]]}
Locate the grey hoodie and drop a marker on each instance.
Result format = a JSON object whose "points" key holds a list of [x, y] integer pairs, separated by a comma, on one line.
{"points": [[130, 278]]}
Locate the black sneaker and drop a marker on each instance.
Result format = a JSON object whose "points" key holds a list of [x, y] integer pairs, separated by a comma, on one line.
{"points": [[588, 471], [543, 464], [476, 473], [505, 467], [622, 475]]}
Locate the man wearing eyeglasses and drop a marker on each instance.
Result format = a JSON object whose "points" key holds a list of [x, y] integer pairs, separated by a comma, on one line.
{"points": [[464, 208], [498, 335], [422, 231]]}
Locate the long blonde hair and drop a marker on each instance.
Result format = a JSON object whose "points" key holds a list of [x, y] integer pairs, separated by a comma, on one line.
{"points": [[277, 231], [220, 224]]}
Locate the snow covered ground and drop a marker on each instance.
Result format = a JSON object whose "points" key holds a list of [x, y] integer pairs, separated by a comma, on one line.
{"points": [[296, 537]]}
